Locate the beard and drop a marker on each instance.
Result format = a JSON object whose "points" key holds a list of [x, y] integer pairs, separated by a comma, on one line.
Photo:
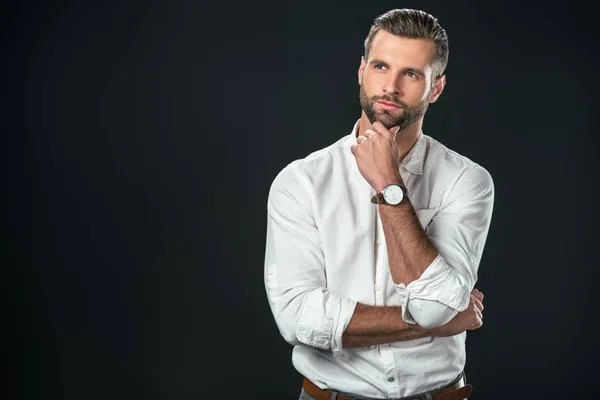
{"points": [[390, 118]]}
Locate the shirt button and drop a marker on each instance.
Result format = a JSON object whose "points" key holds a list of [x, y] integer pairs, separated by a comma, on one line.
{"points": [[390, 379], [380, 241], [377, 288]]}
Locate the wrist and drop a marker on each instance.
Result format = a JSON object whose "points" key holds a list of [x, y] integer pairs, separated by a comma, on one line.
{"points": [[434, 331]]}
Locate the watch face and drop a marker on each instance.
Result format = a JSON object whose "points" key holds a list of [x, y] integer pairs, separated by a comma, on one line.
{"points": [[393, 194]]}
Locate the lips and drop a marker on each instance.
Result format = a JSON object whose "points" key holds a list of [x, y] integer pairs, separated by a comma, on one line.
{"points": [[388, 105]]}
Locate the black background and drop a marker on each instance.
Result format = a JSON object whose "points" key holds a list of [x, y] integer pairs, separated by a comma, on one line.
{"points": [[140, 141]]}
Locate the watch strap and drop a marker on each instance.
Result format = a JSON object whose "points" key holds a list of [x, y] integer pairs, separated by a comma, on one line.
{"points": [[378, 198]]}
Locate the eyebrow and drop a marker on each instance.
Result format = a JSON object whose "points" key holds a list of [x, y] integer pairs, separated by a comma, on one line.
{"points": [[376, 61], [418, 71]]}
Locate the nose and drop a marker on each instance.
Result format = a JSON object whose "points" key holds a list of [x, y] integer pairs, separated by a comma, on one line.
{"points": [[392, 86]]}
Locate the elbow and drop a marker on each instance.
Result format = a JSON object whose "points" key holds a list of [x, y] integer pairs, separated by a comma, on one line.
{"points": [[289, 321], [287, 325], [302, 318], [288, 332], [285, 321], [286, 308], [430, 314], [300, 331], [297, 333], [429, 322]]}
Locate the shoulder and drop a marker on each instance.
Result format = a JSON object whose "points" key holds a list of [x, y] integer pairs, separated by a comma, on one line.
{"points": [[316, 165], [442, 156], [461, 173]]}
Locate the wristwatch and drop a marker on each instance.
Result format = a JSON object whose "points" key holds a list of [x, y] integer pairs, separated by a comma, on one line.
{"points": [[392, 194]]}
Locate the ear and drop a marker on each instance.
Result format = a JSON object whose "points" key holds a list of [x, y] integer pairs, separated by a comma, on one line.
{"points": [[361, 69], [438, 88]]}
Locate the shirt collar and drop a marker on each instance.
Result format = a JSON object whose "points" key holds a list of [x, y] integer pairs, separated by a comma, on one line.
{"points": [[414, 160]]}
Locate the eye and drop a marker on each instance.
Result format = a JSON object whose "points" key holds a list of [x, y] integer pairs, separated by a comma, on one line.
{"points": [[380, 67], [411, 74]]}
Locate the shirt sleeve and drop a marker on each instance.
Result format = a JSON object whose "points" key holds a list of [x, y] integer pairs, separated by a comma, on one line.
{"points": [[458, 231], [430, 313], [295, 280]]}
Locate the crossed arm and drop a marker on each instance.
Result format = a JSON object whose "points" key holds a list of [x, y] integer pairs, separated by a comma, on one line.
{"points": [[410, 252], [371, 325], [446, 256], [435, 266], [307, 312]]}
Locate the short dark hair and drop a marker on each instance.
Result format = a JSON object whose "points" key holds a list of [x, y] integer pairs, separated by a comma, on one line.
{"points": [[413, 24]]}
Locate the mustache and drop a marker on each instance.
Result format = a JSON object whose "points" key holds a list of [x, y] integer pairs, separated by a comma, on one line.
{"points": [[389, 100]]}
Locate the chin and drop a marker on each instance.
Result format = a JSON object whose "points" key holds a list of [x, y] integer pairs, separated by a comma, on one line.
{"points": [[387, 121]]}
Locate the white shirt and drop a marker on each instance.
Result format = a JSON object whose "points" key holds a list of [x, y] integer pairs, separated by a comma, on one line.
{"points": [[326, 251]]}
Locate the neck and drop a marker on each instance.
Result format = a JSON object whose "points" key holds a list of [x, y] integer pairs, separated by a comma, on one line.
{"points": [[405, 139]]}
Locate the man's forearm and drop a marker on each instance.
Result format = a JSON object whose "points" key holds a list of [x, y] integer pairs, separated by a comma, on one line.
{"points": [[409, 249], [371, 325]]}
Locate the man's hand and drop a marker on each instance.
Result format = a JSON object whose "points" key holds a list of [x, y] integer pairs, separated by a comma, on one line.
{"points": [[469, 319], [377, 156]]}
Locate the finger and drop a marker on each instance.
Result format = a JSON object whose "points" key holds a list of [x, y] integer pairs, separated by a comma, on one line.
{"points": [[477, 322], [380, 128], [477, 303], [353, 148], [477, 294], [474, 298], [479, 314], [369, 133], [360, 139], [476, 325]]}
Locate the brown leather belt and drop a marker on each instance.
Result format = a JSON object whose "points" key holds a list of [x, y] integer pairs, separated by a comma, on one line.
{"points": [[457, 391]]}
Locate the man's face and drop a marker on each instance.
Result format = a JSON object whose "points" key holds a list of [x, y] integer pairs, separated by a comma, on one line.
{"points": [[396, 80]]}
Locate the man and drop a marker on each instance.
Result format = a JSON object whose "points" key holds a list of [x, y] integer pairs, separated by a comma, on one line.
{"points": [[374, 243]]}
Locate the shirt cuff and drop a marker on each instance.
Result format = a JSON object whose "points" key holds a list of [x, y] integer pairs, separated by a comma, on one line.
{"points": [[324, 319], [439, 283], [346, 311], [404, 297]]}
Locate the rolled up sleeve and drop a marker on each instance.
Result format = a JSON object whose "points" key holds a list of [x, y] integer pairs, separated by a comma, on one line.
{"points": [[295, 280], [458, 231]]}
